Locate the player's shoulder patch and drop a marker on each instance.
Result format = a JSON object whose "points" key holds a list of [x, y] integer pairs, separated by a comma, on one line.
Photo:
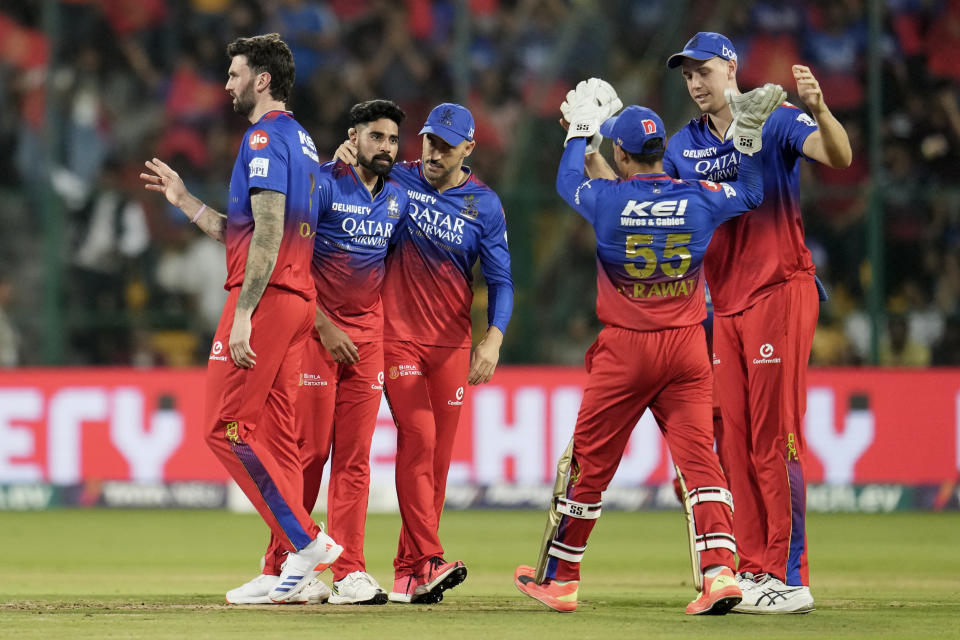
{"points": [[258, 139], [709, 185]]}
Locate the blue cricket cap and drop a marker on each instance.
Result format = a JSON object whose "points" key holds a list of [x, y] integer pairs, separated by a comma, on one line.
{"points": [[451, 122], [633, 128], [703, 46]]}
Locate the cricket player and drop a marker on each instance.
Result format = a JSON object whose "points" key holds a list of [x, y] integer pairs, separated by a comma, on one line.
{"points": [[252, 375], [765, 298], [452, 220], [341, 380], [651, 233]]}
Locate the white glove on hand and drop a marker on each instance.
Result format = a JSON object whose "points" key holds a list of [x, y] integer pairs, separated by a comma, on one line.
{"points": [[750, 111], [592, 100]]}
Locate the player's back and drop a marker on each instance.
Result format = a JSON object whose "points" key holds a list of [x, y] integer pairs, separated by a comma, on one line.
{"points": [[276, 154], [751, 254], [354, 229], [652, 232]]}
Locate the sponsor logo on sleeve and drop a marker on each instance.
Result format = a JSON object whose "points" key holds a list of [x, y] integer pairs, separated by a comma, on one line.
{"points": [[729, 191], [259, 167], [258, 140], [803, 118]]}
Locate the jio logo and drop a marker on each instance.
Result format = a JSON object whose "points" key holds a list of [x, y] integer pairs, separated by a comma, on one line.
{"points": [[217, 348], [459, 393], [766, 350]]}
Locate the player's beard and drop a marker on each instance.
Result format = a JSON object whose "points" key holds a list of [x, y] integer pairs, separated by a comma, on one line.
{"points": [[377, 168], [245, 101]]}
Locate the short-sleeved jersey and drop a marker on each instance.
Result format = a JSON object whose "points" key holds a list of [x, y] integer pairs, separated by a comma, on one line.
{"points": [[652, 231], [353, 233], [276, 154], [428, 289], [751, 254]]}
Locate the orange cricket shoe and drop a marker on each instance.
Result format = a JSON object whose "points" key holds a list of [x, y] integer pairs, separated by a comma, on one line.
{"points": [[559, 596], [720, 594]]}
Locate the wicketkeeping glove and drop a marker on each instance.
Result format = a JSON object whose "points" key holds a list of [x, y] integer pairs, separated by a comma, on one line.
{"points": [[596, 93], [750, 110]]}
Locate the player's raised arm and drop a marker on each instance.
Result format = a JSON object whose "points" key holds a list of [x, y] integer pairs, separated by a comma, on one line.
{"points": [[829, 144], [168, 182]]}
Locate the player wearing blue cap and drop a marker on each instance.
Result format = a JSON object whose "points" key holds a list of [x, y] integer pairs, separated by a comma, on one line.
{"points": [[765, 298], [452, 220], [652, 232]]}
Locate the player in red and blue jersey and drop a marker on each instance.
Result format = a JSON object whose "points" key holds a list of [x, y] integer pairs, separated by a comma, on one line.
{"points": [[254, 363], [341, 379], [765, 298], [453, 219], [652, 232]]}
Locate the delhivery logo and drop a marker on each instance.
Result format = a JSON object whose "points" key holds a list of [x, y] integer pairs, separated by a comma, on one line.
{"points": [[258, 140], [216, 351], [459, 400], [766, 353], [259, 167]]}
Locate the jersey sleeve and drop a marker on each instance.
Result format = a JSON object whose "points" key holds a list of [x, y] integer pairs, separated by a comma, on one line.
{"points": [[495, 266], [326, 185], [794, 127], [572, 182], [267, 159], [669, 166]]}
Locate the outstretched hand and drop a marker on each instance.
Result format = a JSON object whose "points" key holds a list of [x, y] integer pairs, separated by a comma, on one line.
{"points": [[750, 111], [166, 181]]}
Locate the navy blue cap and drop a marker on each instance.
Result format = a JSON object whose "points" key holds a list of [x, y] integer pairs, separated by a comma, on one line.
{"points": [[703, 46], [633, 127], [451, 122]]}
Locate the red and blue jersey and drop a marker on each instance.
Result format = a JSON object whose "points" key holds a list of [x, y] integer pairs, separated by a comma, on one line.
{"points": [[751, 254], [652, 231], [428, 289], [276, 154], [353, 233]]}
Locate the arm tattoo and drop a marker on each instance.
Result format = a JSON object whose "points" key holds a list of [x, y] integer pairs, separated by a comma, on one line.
{"points": [[268, 208], [214, 224]]}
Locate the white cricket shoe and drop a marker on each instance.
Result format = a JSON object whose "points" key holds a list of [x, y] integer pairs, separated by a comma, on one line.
{"points": [[253, 592], [314, 593], [768, 595], [300, 568], [358, 587]]}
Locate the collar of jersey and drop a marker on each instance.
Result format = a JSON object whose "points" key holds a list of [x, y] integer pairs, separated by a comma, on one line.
{"points": [[649, 176], [384, 181], [276, 111]]}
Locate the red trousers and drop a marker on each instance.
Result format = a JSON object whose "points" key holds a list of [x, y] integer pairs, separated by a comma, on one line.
{"points": [[629, 371], [761, 369], [249, 412], [425, 387], [337, 409]]}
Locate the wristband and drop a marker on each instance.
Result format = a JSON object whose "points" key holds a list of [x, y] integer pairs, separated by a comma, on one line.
{"points": [[198, 213]]}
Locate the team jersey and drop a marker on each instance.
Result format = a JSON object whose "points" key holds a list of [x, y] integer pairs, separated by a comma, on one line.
{"points": [[652, 231], [751, 254], [353, 233], [276, 154], [428, 289]]}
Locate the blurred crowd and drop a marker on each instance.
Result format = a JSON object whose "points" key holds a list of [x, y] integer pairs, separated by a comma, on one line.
{"points": [[126, 80]]}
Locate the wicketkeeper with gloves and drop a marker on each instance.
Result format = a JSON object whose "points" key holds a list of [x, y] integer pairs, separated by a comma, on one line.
{"points": [[652, 232]]}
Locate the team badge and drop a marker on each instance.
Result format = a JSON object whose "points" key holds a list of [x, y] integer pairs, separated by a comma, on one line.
{"points": [[393, 209], [446, 118], [394, 373], [232, 432], [258, 139], [470, 209]]}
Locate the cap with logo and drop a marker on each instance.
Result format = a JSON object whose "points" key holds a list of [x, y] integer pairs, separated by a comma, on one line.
{"points": [[451, 122], [703, 46], [633, 128]]}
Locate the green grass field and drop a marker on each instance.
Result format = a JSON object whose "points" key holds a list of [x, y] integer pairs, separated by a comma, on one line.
{"points": [[162, 574]]}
